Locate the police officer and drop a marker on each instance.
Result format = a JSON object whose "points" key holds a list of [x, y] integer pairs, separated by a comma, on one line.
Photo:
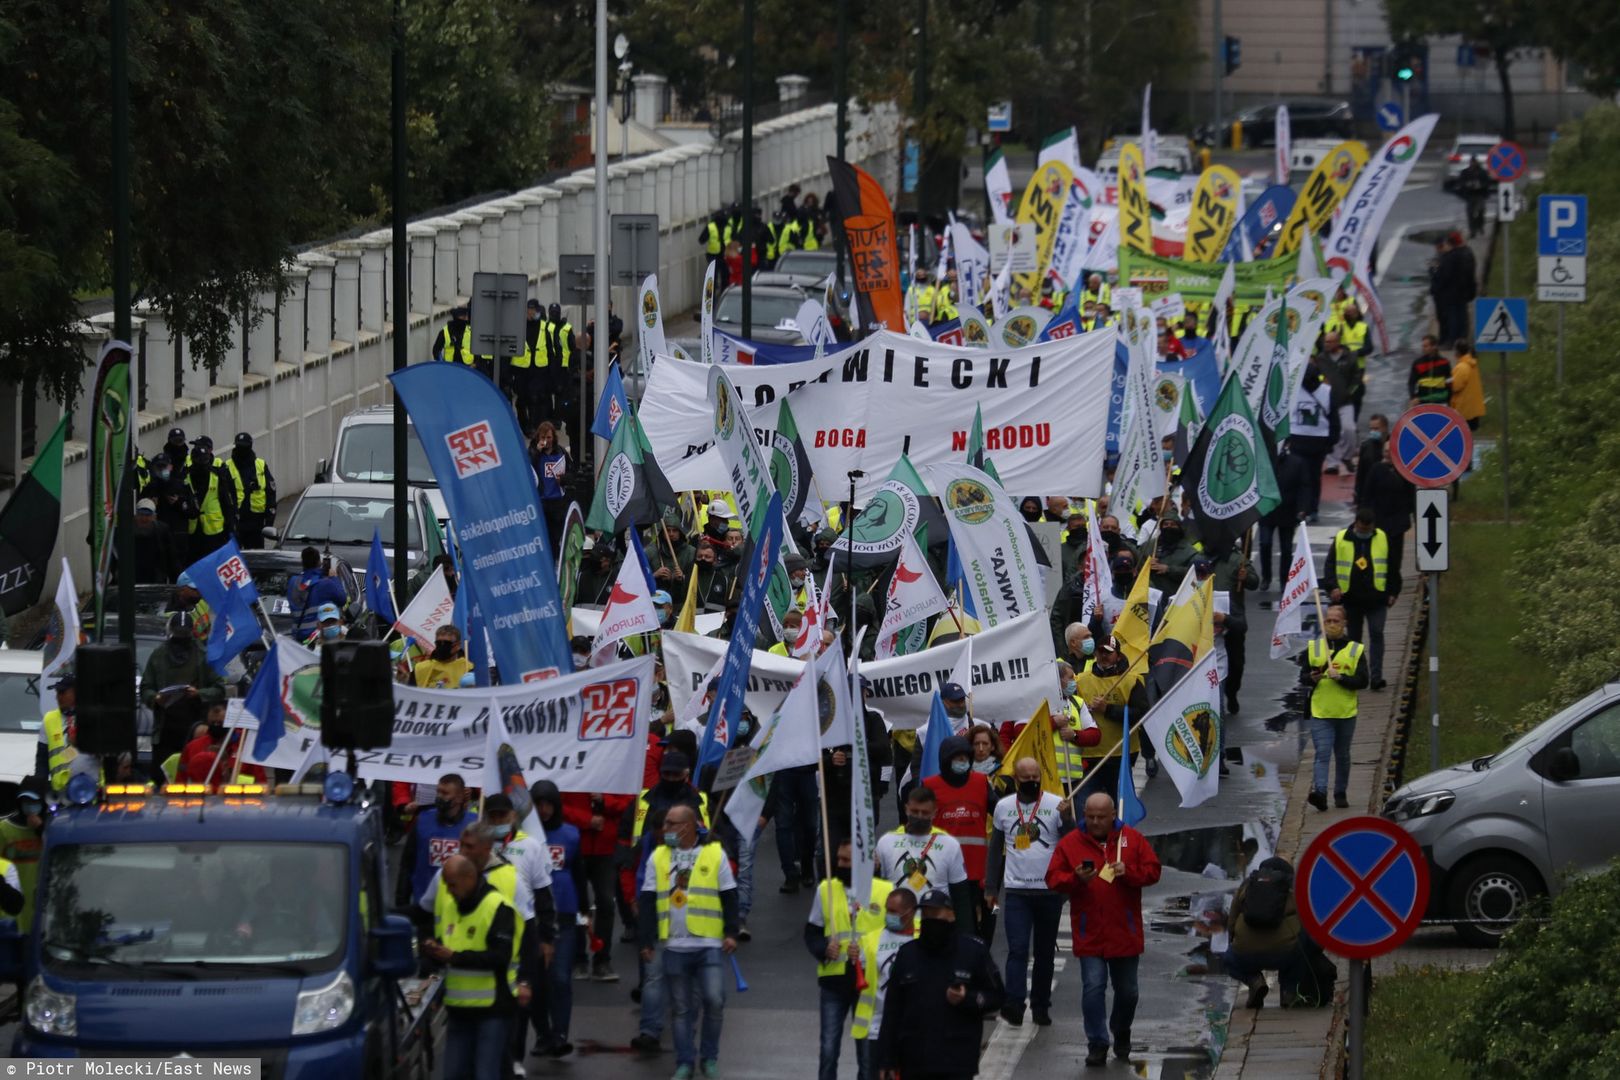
{"points": [[561, 348], [255, 490], [171, 500], [454, 343], [215, 494], [787, 233], [525, 370], [714, 238]]}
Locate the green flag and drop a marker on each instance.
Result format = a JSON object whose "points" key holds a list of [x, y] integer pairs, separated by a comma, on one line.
{"points": [[1229, 472], [631, 489], [899, 509], [976, 456], [790, 469], [28, 526]]}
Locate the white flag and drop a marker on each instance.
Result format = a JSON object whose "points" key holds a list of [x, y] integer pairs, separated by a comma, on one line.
{"points": [[913, 596], [1097, 576], [706, 328], [835, 708], [1284, 138], [695, 713], [428, 610], [1185, 726], [998, 557], [61, 636], [1300, 586], [629, 611], [862, 813], [1223, 327], [998, 186], [650, 323], [790, 737], [961, 675]]}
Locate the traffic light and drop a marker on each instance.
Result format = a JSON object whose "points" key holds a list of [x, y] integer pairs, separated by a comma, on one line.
{"points": [[1406, 62], [1234, 53]]}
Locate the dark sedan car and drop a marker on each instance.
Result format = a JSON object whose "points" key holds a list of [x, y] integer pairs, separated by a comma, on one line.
{"points": [[1308, 118]]}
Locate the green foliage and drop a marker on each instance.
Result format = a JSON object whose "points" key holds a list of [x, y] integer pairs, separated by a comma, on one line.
{"points": [[1410, 1006], [1546, 1006], [1584, 34], [1502, 25]]}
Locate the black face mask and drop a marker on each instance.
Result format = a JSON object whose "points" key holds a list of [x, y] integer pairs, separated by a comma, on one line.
{"points": [[1029, 790], [1110, 536], [1172, 535], [841, 873], [444, 650], [445, 807], [216, 732], [935, 934], [467, 906], [919, 826], [671, 788]]}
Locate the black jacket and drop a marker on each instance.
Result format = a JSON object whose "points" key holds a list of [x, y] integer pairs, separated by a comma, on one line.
{"points": [[924, 1034], [1391, 497]]}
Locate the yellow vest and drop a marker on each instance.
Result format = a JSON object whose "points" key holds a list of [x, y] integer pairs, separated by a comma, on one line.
{"points": [[257, 502], [1353, 337], [1344, 551], [530, 353], [1104, 295], [866, 1004], [641, 808], [452, 347], [787, 237], [714, 241], [210, 519], [704, 917], [565, 347], [57, 751], [1071, 761], [1329, 699], [22, 846], [1118, 691], [835, 918], [465, 988]]}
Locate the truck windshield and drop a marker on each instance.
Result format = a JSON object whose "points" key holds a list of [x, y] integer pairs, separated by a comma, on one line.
{"points": [[156, 907]]}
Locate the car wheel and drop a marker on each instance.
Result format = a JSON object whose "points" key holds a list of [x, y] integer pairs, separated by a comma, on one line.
{"points": [[1492, 893]]}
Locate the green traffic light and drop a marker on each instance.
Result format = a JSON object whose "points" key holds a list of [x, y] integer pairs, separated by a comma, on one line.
{"points": [[1404, 74]]}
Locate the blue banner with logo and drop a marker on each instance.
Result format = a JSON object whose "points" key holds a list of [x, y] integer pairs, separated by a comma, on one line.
{"points": [[1202, 372], [1267, 212], [471, 439], [222, 579], [1116, 394], [733, 682]]}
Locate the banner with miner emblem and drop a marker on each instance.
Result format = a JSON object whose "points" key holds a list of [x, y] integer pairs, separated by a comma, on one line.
{"points": [[1185, 726], [1229, 473], [993, 543]]}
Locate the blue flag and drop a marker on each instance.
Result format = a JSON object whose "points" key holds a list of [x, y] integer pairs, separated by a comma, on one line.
{"points": [[1066, 323], [612, 405], [956, 577], [1116, 395], [1202, 372], [733, 682], [264, 702], [939, 729], [378, 597], [641, 557], [1266, 213], [1128, 808], [222, 578], [471, 438], [469, 619]]}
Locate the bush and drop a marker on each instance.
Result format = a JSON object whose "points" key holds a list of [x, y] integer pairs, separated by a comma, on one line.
{"points": [[1547, 1005]]}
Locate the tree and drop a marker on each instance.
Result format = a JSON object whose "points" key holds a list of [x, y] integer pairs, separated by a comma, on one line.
{"points": [[1502, 26], [1584, 34]]}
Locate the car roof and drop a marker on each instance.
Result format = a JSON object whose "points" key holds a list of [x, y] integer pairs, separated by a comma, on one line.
{"points": [[371, 414], [792, 291], [355, 489], [21, 661]]}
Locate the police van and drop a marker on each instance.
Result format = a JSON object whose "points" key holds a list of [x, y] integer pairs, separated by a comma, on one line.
{"points": [[174, 923]]}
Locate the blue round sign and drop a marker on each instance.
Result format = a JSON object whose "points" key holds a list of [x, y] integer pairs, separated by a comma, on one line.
{"points": [[1362, 887], [1505, 162], [1431, 445]]}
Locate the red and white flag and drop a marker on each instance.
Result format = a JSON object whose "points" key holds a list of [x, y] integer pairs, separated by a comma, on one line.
{"points": [[629, 612], [1299, 589], [913, 596], [430, 609]]}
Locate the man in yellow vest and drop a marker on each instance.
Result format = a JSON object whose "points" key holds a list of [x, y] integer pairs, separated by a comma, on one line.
{"points": [[1073, 729], [523, 370], [454, 343], [832, 934], [559, 384], [1112, 685], [215, 496], [1333, 669], [877, 952], [688, 905], [1357, 575], [57, 732], [1097, 291], [21, 846], [254, 488], [477, 936], [922, 295]]}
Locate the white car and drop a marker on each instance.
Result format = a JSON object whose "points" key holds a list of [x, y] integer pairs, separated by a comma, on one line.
{"points": [[1464, 150], [19, 711]]}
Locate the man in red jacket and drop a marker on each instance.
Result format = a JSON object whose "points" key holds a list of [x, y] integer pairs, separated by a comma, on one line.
{"points": [[1104, 867], [596, 816]]}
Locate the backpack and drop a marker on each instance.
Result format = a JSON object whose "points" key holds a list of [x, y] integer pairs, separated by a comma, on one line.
{"points": [[1265, 900]]}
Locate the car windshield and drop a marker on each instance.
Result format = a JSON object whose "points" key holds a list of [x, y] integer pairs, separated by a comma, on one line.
{"points": [[770, 308], [19, 701], [170, 908], [807, 262], [366, 455], [346, 519]]}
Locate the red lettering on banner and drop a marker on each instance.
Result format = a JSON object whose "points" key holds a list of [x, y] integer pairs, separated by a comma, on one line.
{"points": [[608, 710], [232, 572], [854, 438], [958, 441], [441, 848], [473, 449]]}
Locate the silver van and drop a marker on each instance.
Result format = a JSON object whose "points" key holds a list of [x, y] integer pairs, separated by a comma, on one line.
{"points": [[1503, 829]]}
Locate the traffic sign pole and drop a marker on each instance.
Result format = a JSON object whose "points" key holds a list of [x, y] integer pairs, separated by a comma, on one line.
{"points": [[1559, 368], [1434, 672], [1359, 971]]}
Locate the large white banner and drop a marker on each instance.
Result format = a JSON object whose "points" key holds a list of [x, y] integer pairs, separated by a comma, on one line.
{"points": [[1013, 671], [1045, 408], [583, 732], [1362, 213]]}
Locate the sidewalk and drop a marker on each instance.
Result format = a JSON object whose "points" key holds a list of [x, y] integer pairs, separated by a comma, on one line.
{"points": [[1290, 1044]]}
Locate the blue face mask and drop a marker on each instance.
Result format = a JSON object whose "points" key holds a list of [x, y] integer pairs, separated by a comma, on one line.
{"points": [[1070, 688], [742, 729], [895, 923], [501, 831], [672, 839], [961, 766], [1088, 647], [1376, 436], [331, 633]]}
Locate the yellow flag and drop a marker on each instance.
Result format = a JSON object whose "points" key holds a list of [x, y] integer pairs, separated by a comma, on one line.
{"points": [[1042, 206], [1190, 619], [1035, 741], [1134, 628], [1214, 212], [686, 621], [1328, 183], [1135, 214]]}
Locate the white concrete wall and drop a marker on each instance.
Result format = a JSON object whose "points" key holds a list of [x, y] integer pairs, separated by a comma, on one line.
{"points": [[325, 346]]}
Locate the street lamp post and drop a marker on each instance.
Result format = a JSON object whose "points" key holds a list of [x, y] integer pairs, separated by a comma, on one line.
{"points": [[402, 305]]}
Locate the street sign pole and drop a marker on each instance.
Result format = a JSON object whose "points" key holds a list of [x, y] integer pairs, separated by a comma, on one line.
{"points": [[1358, 1017], [1560, 353], [1434, 672], [1507, 497]]}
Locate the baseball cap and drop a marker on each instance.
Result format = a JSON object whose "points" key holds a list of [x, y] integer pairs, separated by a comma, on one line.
{"points": [[533, 304], [180, 621], [146, 506], [934, 898], [185, 581], [203, 442], [459, 311], [327, 612], [177, 434], [64, 681], [661, 598], [674, 762], [952, 692], [244, 439]]}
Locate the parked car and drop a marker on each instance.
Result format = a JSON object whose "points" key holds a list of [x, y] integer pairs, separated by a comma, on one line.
{"points": [[365, 451], [1172, 153], [1308, 118], [1503, 829], [1464, 150], [774, 309], [19, 712], [806, 269], [342, 517]]}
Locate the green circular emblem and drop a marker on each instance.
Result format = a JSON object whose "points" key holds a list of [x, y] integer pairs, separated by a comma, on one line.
{"points": [[970, 501]]}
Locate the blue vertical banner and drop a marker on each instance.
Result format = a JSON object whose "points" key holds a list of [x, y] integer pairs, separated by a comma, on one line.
{"points": [[471, 439], [728, 696]]}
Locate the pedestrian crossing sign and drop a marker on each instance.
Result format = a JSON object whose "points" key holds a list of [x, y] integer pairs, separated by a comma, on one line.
{"points": [[1501, 324]]}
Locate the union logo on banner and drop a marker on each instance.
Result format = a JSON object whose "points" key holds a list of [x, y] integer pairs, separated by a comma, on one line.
{"points": [[233, 572], [473, 449], [614, 412], [871, 239]]}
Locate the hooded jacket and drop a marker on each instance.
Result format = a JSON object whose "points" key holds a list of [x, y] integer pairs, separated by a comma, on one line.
{"points": [[965, 805]]}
